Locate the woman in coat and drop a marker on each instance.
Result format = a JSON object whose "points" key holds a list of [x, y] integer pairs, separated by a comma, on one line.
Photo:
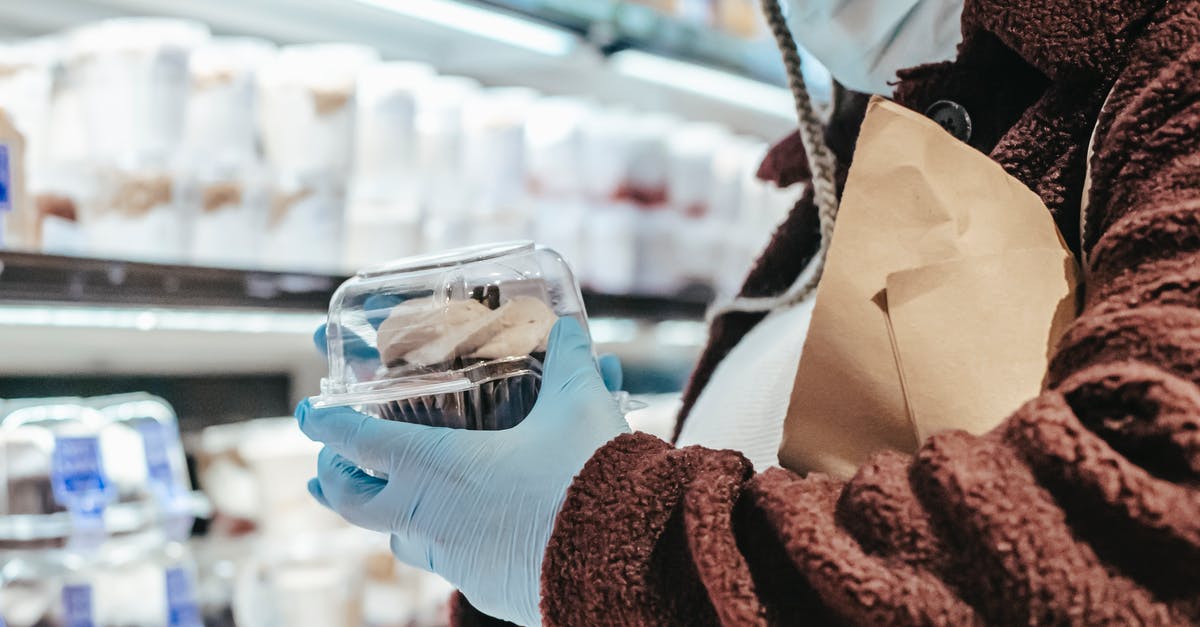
{"points": [[1083, 507]]}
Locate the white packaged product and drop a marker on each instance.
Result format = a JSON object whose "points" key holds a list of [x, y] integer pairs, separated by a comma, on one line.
{"points": [[73, 474], [306, 113], [25, 80], [445, 198], [609, 233], [554, 145], [226, 189], [132, 74], [495, 167], [383, 219], [134, 580]]}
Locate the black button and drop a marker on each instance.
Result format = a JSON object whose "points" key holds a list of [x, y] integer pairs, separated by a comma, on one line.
{"points": [[951, 116]]}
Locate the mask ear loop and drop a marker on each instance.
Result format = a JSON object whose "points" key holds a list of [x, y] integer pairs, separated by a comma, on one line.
{"points": [[821, 164]]}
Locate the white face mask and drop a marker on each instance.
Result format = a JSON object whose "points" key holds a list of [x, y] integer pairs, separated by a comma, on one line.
{"points": [[864, 43]]}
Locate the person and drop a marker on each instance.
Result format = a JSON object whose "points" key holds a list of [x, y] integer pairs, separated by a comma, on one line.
{"points": [[1083, 507]]}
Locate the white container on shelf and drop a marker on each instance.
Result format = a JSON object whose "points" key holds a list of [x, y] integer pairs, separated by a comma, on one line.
{"points": [[25, 81], [495, 164], [224, 186], [554, 145], [383, 215], [132, 74], [445, 199], [306, 114]]}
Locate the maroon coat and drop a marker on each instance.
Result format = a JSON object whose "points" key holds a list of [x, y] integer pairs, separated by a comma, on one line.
{"points": [[1081, 508]]}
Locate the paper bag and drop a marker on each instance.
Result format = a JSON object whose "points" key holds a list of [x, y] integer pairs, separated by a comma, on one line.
{"points": [[946, 286]]}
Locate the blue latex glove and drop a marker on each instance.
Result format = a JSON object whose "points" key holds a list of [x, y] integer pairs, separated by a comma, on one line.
{"points": [[476, 507]]}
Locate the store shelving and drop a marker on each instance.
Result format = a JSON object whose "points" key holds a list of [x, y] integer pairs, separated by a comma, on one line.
{"points": [[558, 47], [27, 278]]}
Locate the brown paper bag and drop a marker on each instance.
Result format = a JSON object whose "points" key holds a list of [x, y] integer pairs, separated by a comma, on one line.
{"points": [[965, 247]]}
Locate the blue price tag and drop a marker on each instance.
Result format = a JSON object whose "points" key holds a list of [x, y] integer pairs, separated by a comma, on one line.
{"points": [[155, 442], [5, 179], [181, 600], [77, 478], [77, 606]]}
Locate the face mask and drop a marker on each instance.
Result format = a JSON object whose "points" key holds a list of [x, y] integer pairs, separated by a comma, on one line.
{"points": [[864, 43]]}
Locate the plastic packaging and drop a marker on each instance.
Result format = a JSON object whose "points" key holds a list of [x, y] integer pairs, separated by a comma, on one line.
{"points": [[133, 79], [306, 115], [137, 580], [455, 339], [74, 475], [225, 188], [383, 214]]}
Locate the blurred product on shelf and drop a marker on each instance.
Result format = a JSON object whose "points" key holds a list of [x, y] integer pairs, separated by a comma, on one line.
{"points": [[96, 504], [224, 185], [132, 79], [273, 557], [147, 139], [307, 112]]}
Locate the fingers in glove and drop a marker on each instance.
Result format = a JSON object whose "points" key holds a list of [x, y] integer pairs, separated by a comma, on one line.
{"points": [[415, 553], [314, 489], [568, 356], [611, 372], [368, 441], [350, 491], [353, 345]]}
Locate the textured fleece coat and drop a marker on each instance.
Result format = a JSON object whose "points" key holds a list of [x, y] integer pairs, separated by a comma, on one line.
{"points": [[1081, 508]]}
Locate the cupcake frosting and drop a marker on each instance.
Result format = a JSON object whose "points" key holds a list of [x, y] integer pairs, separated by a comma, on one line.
{"points": [[420, 333]]}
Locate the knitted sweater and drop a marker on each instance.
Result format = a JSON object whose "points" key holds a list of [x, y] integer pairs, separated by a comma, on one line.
{"points": [[1081, 508]]}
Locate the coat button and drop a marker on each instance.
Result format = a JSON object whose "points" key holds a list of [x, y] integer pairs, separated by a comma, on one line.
{"points": [[951, 116]]}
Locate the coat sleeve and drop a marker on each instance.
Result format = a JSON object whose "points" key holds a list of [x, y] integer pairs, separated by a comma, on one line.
{"points": [[1081, 508]]}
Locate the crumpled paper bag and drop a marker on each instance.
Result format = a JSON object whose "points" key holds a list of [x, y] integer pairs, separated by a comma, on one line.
{"points": [[946, 287]]}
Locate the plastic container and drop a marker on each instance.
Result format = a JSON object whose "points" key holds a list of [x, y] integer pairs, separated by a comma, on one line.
{"points": [[455, 339], [128, 581], [73, 474], [225, 187], [166, 480], [384, 205]]}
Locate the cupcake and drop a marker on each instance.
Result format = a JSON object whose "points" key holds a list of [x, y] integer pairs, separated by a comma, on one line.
{"points": [[499, 345]]}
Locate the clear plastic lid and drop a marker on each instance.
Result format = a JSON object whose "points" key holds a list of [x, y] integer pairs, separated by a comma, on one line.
{"points": [[70, 467], [439, 325]]}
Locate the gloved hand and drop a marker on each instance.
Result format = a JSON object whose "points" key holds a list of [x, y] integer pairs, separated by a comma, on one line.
{"points": [[476, 507]]}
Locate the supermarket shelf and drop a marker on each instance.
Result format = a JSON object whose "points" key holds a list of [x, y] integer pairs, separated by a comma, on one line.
{"points": [[32, 278], [559, 47]]}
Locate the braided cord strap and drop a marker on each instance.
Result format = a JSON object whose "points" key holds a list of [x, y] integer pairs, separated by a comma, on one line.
{"points": [[821, 164]]}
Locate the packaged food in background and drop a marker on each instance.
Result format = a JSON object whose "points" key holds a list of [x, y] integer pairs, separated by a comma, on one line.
{"points": [[15, 218], [132, 76], [441, 161], [495, 164], [554, 145], [26, 72], [304, 224], [455, 339], [691, 230], [137, 215], [610, 224], [303, 581], [383, 216], [306, 107], [63, 178], [306, 117], [239, 466], [225, 187], [131, 580], [166, 480]]}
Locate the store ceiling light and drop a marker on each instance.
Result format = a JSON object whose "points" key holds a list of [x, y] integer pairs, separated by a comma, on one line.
{"points": [[484, 22], [704, 81]]}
